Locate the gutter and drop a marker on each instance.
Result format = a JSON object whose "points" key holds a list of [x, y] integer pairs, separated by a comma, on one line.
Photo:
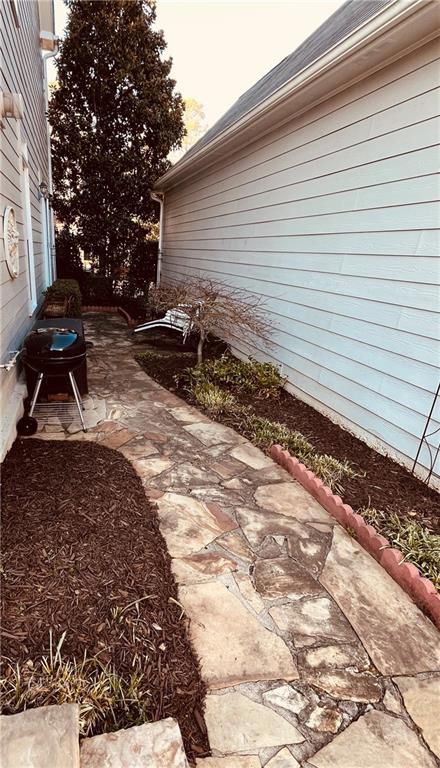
{"points": [[354, 43], [159, 197]]}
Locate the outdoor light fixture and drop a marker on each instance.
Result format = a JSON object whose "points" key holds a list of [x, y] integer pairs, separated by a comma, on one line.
{"points": [[44, 190]]}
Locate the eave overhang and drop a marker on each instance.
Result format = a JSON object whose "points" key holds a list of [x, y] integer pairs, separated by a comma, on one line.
{"points": [[393, 32]]}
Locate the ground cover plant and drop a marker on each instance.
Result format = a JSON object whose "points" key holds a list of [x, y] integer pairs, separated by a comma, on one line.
{"points": [[365, 478], [90, 610], [417, 543]]}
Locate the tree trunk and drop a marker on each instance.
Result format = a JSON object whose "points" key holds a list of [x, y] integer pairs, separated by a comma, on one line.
{"points": [[200, 347]]}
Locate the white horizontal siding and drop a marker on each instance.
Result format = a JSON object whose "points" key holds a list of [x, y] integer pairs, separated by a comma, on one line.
{"points": [[21, 72], [333, 219]]}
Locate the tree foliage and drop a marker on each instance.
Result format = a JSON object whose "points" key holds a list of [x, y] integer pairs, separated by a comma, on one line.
{"points": [[115, 117], [194, 120]]}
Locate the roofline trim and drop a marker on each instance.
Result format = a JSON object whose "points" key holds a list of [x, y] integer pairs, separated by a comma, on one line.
{"points": [[382, 22]]}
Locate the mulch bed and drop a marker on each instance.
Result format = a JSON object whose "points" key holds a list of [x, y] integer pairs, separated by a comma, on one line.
{"points": [[380, 482], [80, 539]]}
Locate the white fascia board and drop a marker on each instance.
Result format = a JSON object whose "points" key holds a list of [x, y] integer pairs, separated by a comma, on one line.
{"points": [[394, 31]]}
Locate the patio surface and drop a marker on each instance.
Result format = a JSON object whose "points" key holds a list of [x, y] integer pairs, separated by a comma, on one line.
{"points": [[313, 655]]}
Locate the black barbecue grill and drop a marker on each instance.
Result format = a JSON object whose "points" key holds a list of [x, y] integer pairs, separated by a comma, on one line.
{"points": [[52, 349]]}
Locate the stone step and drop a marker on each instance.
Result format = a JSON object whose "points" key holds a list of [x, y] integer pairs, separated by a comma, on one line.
{"points": [[156, 745], [39, 738]]}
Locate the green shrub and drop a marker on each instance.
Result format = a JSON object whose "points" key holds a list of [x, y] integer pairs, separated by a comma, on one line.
{"points": [[261, 379], [61, 289], [418, 545], [213, 399], [97, 290]]}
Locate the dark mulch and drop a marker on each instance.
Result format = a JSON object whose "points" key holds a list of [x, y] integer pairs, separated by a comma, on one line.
{"points": [[380, 482], [80, 538]]}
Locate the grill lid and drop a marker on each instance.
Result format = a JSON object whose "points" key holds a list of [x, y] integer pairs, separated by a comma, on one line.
{"points": [[54, 343]]}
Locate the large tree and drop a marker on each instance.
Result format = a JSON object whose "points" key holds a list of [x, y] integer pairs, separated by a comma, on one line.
{"points": [[115, 117]]}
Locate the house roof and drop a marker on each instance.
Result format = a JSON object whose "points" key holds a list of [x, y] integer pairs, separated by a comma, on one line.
{"points": [[345, 20], [359, 38]]}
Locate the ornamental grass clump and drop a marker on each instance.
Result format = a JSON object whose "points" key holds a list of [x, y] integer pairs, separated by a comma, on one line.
{"points": [[213, 399], [265, 433], [107, 702], [416, 542]]}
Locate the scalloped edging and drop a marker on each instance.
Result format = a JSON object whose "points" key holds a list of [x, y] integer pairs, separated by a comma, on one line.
{"points": [[420, 589], [107, 309]]}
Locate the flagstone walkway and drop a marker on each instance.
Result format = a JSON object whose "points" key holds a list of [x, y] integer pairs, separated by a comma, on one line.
{"points": [[313, 655]]}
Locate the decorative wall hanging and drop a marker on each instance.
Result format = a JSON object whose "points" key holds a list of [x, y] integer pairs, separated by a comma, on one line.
{"points": [[11, 237]]}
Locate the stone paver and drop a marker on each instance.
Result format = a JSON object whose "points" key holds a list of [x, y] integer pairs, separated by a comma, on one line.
{"points": [[283, 759], [286, 697], [325, 720], [148, 468], [422, 701], [251, 456], [155, 745], [235, 544], [373, 741], [336, 657], [210, 433], [314, 617], [391, 702], [249, 592], [42, 737], [187, 475], [280, 601], [289, 499], [399, 639], [236, 724], [189, 524], [345, 684], [234, 761], [232, 644], [204, 566], [257, 524], [283, 577]]}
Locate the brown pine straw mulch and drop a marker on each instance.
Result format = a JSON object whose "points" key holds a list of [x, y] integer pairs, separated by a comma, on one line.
{"points": [[83, 554]]}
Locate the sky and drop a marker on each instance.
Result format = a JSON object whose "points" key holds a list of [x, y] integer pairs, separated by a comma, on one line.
{"points": [[220, 49]]}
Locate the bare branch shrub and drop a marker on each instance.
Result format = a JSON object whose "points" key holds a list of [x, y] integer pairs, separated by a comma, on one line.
{"points": [[216, 307]]}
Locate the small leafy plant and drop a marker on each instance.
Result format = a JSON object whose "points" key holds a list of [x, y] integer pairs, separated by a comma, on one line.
{"points": [[263, 380], [416, 542]]}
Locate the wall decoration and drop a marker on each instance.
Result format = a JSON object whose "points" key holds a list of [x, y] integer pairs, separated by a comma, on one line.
{"points": [[11, 237]]}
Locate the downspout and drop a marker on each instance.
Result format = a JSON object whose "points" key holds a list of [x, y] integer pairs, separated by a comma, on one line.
{"points": [[159, 197], [51, 227]]}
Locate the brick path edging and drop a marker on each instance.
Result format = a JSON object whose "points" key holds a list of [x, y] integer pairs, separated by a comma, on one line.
{"points": [[115, 310], [420, 589]]}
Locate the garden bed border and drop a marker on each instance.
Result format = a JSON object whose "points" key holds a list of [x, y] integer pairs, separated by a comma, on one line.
{"points": [[419, 588], [113, 309]]}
